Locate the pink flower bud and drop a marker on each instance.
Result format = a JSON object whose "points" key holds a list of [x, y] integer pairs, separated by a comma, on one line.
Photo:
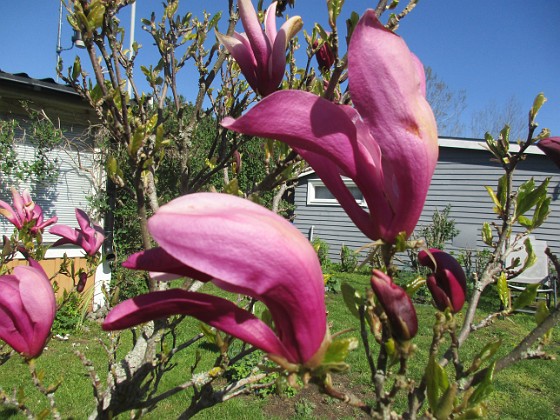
{"points": [[447, 283], [397, 305], [551, 147], [27, 309], [81, 282], [324, 56]]}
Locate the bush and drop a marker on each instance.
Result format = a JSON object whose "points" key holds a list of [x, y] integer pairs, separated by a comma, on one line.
{"points": [[70, 315], [322, 250], [348, 259]]}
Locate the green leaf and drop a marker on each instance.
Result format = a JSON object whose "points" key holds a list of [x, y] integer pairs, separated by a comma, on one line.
{"points": [[526, 297], [208, 333], [531, 256], [537, 104], [498, 209], [528, 196], [137, 140], [446, 403], [335, 7], [214, 21], [542, 312], [485, 388], [487, 234], [503, 290], [414, 285], [541, 213], [503, 190], [338, 350], [232, 187], [151, 123], [485, 354], [437, 382], [504, 137], [352, 299], [76, 68]]}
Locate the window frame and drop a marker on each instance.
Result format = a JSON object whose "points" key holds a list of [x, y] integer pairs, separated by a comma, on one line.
{"points": [[312, 184]]}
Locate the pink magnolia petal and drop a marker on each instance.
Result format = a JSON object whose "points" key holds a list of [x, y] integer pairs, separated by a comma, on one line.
{"points": [[27, 309], [305, 121], [39, 302], [388, 93], [551, 147], [217, 312], [69, 235], [260, 44], [157, 260], [8, 212], [83, 220], [243, 55], [248, 249], [278, 57], [270, 22]]}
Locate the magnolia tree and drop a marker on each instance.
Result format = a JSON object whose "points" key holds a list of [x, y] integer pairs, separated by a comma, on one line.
{"points": [[362, 115]]}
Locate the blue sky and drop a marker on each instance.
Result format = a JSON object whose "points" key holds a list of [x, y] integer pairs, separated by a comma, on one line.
{"points": [[494, 50]]}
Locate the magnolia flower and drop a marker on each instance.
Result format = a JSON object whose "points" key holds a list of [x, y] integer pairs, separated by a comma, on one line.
{"points": [[243, 248], [89, 237], [261, 55], [551, 147], [447, 283], [397, 305], [387, 144], [27, 309], [25, 211]]}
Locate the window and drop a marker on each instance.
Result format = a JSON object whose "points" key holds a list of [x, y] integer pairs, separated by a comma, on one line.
{"points": [[317, 193]]}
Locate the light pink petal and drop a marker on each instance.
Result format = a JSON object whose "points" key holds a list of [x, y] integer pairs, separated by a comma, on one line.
{"points": [[388, 93], [8, 212], [157, 260], [243, 55], [248, 249], [270, 22], [277, 63], [215, 311]]}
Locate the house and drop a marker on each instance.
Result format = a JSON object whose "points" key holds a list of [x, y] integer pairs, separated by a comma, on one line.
{"points": [[78, 173], [464, 168]]}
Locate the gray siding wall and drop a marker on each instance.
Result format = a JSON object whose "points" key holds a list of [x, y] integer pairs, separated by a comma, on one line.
{"points": [[459, 180], [72, 189]]}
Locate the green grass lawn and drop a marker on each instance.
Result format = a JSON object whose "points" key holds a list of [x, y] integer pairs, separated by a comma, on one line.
{"points": [[529, 390]]}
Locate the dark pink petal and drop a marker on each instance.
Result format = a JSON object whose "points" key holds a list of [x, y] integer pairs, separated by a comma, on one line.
{"points": [[217, 312], [551, 147], [397, 305], [310, 123], [260, 44], [158, 260], [27, 309], [69, 235], [387, 91], [448, 279], [247, 249]]}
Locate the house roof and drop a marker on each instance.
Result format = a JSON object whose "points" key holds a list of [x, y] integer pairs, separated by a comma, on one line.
{"points": [[461, 143], [58, 100]]}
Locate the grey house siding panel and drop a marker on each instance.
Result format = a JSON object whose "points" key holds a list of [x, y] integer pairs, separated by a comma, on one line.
{"points": [[459, 180], [71, 190]]}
